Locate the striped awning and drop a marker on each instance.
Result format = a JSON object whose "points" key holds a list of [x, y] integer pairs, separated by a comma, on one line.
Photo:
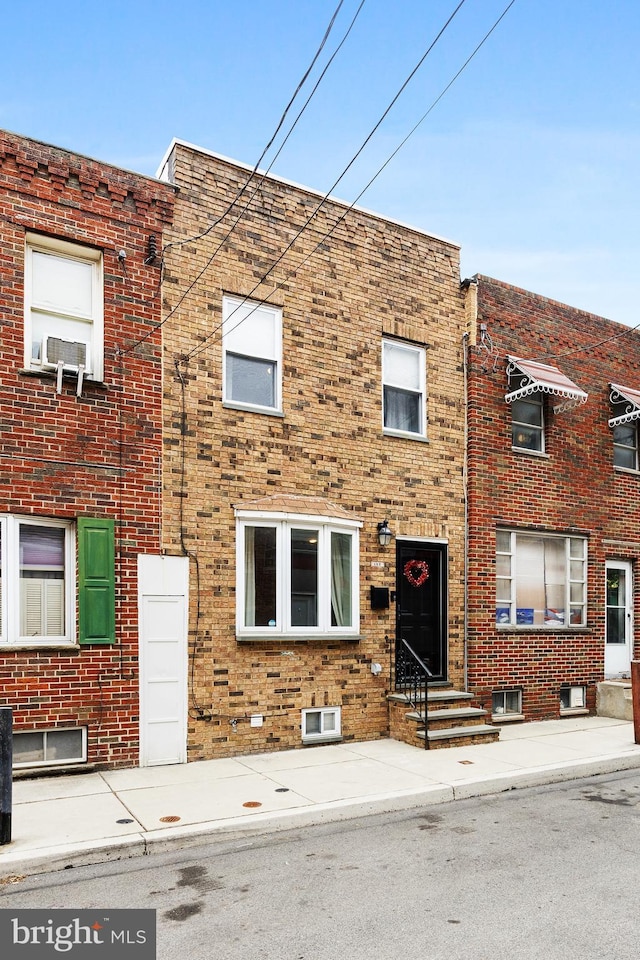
{"points": [[527, 377], [628, 403]]}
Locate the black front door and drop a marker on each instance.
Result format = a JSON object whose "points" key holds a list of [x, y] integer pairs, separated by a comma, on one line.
{"points": [[421, 602]]}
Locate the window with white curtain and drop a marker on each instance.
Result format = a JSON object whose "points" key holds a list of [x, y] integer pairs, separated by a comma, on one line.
{"points": [[36, 580], [403, 388], [297, 576], [541, 580], [252, 348]]}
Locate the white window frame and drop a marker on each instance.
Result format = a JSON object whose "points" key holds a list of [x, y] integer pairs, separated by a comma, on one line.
{"points": [[235, 310], [54, 762], [283, 524], [577, 698], [536, 399], [388, 381], [10, 615], [90, 326], [324, 735], [502, 713], [627, 447], [508, 615]]}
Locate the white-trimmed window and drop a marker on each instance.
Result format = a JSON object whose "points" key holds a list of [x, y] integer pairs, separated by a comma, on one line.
{"points": [[46, 748], [625, 445], [252, 348], [527, 423], [296, 576], [403, 389], [506, 703], [541, 580], [321, 725], [37, 581], [63, 307]]}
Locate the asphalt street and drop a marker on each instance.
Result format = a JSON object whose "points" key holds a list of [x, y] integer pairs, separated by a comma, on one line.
{"points": [[547, 871]]}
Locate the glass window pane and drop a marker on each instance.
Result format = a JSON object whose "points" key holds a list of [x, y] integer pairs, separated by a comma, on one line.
{"points": [[312, 722], [529, 438], [41, 581], [527, 411], [251, 329], [503, 566], [576, 548], [64, 744], [512, 701], [402, 366], [304, 578], [576, 569], [260, 577], [503, 541], [251, 381], [624, 457], [341, 580], [28, 748], [401, 410], [62, 284], [615, 626]]}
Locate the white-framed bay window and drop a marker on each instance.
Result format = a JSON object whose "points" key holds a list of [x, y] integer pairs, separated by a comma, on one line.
{"points": [[64, 306], [252, 355], [296, 576], [37, 581], [404, 389], [541, 580]]}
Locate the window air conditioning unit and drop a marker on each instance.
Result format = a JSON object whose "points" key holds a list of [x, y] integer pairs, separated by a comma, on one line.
{"points": [[73, 354]]}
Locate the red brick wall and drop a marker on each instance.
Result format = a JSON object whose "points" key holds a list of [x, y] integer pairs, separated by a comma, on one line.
{"points": [[575, 489], [99, 454]]}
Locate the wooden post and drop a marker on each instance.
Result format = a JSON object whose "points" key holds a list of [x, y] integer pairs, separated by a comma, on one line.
{"points": [[6, 774], [635, 696]]}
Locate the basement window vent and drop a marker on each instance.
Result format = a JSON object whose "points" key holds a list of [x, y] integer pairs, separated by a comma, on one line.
{"points": [[573, 698], [321, 726], [48, 748]]}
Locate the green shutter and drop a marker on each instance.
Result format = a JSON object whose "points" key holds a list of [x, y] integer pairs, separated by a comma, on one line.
{"points": [[96, 580]]}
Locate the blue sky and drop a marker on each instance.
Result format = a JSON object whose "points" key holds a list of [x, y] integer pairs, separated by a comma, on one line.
{"points": [[530, 161]]}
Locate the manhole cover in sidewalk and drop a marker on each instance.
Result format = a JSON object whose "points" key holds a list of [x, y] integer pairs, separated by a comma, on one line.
{"points": [[252, 803], [124, 820], [172, 819]]}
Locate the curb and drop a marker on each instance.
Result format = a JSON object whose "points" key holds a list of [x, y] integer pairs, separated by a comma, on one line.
{"points": [[18, 865]]}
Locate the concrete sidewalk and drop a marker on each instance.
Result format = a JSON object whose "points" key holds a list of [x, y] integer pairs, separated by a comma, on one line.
{"points": [[96, 817]]}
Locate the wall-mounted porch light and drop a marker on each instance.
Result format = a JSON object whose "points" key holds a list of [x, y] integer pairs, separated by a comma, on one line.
{"points": [[384, 533]]}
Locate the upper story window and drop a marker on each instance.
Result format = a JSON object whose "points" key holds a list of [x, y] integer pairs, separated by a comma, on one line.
{"points": [[297, 575], [252, 347], [63, 307], [625, 446], [527, 423], [626, 408], [529, 382], [403, 389], [541, 579]]}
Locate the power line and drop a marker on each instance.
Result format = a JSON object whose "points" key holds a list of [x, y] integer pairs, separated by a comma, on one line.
{"points": [[199, 236], [313, 214], [229, 208], [200, 347]]}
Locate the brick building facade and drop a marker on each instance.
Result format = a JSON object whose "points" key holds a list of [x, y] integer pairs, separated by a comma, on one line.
{"points": [[554, 505], [80, 458], [313, 390]]}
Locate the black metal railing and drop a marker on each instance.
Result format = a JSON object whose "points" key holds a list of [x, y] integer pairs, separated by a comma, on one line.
{"points": [[411, 677]]}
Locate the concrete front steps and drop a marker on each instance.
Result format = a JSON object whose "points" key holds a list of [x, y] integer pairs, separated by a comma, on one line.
{"points": [[451, 720]]}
